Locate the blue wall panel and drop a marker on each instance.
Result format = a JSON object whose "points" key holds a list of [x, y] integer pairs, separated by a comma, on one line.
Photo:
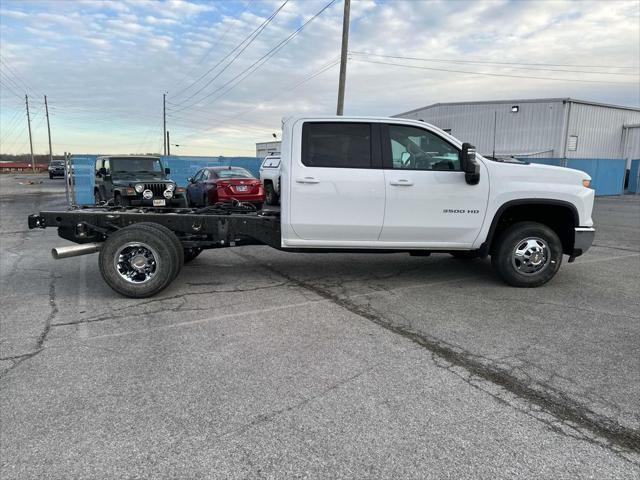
{"points": [[182, 167], [634, 176], [607, 175]]}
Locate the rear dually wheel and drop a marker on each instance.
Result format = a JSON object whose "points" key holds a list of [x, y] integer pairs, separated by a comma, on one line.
{"points": [[138, 261]]}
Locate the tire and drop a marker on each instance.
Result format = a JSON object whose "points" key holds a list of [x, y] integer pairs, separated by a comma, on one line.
{"points": [[171, 238], [191, 253], [271, 195], [50, 176], [528, 255], [464, 254], [141, 244], [258, 206]]}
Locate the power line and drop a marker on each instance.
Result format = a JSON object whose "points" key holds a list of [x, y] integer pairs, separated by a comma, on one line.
{"points": [[285, 91], [491, 74], [11, 124], [19, 78], [218, 41], [258, 63], [249, 39], [10, 90], [486, 62]]}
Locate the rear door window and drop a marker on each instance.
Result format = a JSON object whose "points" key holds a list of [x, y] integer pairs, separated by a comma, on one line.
{"points": [[336, 145]]}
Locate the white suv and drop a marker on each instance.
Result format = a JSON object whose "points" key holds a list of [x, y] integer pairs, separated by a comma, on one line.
{"points": [[270, 178]]}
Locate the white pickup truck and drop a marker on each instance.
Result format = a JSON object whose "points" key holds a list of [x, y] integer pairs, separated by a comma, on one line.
{"points": [[270, 178], [364, 184]]}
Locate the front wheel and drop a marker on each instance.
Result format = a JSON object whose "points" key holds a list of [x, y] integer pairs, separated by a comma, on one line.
{"points": [[529, 254]]}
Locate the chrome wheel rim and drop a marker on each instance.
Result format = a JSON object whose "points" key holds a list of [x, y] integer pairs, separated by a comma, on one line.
{"points": [[530, 256], [136, 262]]}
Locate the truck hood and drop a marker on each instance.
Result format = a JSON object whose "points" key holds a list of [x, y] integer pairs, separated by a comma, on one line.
{"points": [[537, 172]]}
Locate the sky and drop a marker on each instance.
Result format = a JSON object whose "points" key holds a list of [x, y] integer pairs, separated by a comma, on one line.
{"points": [[231, 70]]}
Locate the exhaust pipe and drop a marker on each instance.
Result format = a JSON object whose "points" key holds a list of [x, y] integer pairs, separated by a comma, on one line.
{"points": [[75, 250]]}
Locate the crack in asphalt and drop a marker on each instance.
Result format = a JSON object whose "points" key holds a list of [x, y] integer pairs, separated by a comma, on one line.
{"points": [[566, 412], [39, 347], [267, 417], [162, 304]]}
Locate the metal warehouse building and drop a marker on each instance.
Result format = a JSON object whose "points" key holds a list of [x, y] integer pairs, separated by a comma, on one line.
{"points": [[598, 138], [267, 148]]}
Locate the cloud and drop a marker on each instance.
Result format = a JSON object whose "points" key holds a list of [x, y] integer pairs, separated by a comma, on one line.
{"points": [[98, 42], [122, 59], [13, 13], [160, 42], [159, 21]]}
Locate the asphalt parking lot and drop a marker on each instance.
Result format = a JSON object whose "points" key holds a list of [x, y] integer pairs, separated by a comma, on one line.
{"points": [[262, 364]]}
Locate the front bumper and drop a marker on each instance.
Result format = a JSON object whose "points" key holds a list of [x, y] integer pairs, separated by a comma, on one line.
{"points": [[583, 240], [137, 201]]}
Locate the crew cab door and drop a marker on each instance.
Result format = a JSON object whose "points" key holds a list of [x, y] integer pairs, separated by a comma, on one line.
{"points": [[336, 183], [427, 198]]}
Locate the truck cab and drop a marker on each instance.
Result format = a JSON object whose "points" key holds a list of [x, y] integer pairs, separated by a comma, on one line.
{"points": [[397, 184], [136, 181]]}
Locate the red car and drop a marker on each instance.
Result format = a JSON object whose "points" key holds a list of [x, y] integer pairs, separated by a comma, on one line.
{"points": [[219, 184]]}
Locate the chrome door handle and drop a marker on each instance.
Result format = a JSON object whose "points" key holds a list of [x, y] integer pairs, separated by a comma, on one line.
{"points": [[307, 180], [401, 182]]}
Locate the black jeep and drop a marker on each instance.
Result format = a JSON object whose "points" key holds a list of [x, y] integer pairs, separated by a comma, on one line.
{"points": [[56, 169], [136, 181]]}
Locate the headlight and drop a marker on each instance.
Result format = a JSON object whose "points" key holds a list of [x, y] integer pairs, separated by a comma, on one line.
{"points": [[139, 188], [586, 183], [171, 187], [147, 195], [168, 194]]}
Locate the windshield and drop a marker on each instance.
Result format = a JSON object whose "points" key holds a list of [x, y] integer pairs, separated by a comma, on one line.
{"points": [[136, 165], [234, 173], [56, 163]]}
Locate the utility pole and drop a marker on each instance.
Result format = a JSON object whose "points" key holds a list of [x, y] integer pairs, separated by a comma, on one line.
{"points": [[343, 56], [46, 109], [164, 121], [33, 162], [168, 152]]}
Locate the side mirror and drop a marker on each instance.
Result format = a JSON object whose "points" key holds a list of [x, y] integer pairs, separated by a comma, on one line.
{"points": [[469, 164], [102, 172], [167, 170], [190, 179]]}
